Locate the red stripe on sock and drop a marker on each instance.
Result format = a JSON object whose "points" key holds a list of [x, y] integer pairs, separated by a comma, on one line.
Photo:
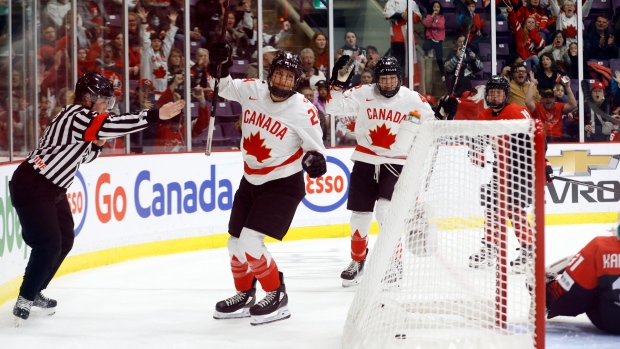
{"points": [[241, 274], [358, 246], [267, 274]]}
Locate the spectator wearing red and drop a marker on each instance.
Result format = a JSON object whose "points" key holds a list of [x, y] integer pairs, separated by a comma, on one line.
{"points": [[47, 46], [542, 17], [548, 110], [471, 23], [528, 40], [318, 44], [134, 56]]}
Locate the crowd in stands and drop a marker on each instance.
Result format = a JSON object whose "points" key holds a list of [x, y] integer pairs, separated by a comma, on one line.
{"points": [[541, 62]]}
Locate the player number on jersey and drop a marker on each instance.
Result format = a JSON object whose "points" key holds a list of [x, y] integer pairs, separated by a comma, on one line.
{"points": [[314, 116]]}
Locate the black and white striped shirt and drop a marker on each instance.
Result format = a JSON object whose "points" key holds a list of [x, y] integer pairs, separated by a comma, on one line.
{"points": [[67, 142]]}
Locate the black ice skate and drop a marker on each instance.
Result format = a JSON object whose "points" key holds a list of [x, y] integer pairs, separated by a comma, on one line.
{"points": [[351, 276], [485, 257], [21, 310], [525, 256], [40, 301], [237, 306], [274, 307]]}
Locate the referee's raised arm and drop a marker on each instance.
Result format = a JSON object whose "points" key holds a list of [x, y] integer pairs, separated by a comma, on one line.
{"points": [[39, 185]]}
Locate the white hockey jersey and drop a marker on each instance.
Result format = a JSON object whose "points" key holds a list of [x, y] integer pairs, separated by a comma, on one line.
{"points": [[275, 135], [378, 120]]}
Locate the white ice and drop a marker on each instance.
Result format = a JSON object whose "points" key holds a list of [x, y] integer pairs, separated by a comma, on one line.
{"points": [[168, 302]]}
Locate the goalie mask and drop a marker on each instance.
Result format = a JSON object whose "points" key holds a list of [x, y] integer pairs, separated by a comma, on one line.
{"points": [[97, 87], [290, 62], [497, 82], [388, 66]]}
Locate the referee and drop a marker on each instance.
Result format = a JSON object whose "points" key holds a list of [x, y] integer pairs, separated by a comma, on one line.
{"points": [[39, 185]]}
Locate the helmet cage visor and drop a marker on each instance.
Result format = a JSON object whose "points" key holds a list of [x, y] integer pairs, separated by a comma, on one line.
{"points": [[110, 100]]}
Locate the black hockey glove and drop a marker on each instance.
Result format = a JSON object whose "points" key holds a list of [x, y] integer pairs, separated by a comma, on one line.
{"points": [[343, 72], [220, 52], [314, 164], [447, 107], [549, 172]]}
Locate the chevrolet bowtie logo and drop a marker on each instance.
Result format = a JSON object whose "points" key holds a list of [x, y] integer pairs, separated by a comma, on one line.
{"points": [[581, 163]]}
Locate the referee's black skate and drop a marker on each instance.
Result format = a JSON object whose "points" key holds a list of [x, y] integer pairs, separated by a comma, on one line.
{"points": [[21, 310], [237, 306], [40, 301], [274, 307]]}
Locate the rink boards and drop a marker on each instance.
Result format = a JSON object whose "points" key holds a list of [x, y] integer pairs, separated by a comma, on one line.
{"points": [[133, 206]]}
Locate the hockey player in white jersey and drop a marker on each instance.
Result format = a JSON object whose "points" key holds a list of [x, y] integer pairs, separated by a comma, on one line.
{"points": [[281, 136], [380, 110]]}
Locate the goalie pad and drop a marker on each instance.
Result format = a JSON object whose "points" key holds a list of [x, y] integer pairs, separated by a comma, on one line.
{"points": [[407, 133], [421, 238]]}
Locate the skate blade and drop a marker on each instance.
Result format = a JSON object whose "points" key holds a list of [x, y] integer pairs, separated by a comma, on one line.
{"points": [[48, 311], [350, 283], [282, 314], [17, 321], [242, 313]]}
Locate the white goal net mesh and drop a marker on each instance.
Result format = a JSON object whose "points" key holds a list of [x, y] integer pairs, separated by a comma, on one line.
{"points": [[440, 274]]}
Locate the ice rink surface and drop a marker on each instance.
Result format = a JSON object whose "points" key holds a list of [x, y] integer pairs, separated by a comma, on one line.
{"points": [[168, 302]]}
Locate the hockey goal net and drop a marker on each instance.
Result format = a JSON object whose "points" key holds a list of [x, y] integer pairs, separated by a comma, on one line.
{"points": [[466, 186]]}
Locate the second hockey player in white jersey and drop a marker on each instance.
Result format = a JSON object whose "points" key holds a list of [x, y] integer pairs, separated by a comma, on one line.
{"points": [[380, 110], [281, 136]]}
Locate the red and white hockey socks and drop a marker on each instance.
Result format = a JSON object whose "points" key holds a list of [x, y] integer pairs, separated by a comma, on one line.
{"points": [[263, 267], [360, 227], [242, 274]]}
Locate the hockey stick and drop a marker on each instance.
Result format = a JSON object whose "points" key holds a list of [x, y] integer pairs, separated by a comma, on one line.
{"points": [[587, 96], [216, 86], [586, 184]]}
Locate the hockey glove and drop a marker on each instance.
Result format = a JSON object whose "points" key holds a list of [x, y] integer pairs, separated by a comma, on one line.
{"points": [[314, 164], [447, 107], [220, 53], [549, 172], [343, 72]]}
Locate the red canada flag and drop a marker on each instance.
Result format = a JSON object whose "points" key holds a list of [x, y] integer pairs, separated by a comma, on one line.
{"points": [[382, 137], [159, 73], [254, 145]]}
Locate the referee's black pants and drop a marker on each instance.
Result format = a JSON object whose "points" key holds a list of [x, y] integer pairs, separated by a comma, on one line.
{"points": [[47, 226]]}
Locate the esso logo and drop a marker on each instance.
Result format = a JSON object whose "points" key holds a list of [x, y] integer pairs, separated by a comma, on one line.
{"points": [[330, 191], [78, 201]]}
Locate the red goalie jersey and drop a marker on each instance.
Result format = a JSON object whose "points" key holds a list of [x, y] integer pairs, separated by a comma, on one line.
{"points": [[591, 285]]}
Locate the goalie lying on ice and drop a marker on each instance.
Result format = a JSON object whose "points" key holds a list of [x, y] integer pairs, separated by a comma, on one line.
{"points": [[589, 284]]}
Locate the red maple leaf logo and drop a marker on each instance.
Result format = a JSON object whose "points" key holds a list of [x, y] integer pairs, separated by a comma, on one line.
{"points": [[382, 137], [254, 145], [570, 31], [159, 73], [351, 126]]}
